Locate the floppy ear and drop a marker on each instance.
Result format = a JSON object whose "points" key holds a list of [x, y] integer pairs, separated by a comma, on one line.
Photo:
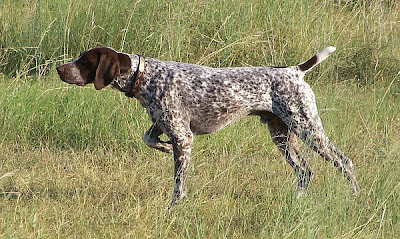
{"points": [[107, 70]]}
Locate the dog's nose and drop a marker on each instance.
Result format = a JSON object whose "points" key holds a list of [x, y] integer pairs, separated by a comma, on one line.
{"points": [[59, 69]]}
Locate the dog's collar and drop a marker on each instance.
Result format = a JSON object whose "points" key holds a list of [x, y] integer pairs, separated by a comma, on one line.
{"points": [[137, 77]]}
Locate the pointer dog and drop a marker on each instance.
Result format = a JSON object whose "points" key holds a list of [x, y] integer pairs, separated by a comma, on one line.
{"points": [[184, 100]]}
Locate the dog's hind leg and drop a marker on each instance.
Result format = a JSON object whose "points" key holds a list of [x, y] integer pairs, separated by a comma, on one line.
{"points": [[305, 122], [320, 143], [287, 144]]}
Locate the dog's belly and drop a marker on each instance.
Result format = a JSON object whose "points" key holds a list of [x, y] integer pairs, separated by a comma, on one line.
{"points": [[212, 122], [207, 127], [210, 116]]}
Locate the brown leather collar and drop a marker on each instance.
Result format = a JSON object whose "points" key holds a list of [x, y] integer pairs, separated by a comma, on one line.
{"points": [[137, 77]]}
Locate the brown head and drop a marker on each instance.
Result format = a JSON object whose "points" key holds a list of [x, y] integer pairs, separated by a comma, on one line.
{"points": [[97, 65]]}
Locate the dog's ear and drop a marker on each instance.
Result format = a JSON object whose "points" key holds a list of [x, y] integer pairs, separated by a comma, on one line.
{"points": [[107, 69]]}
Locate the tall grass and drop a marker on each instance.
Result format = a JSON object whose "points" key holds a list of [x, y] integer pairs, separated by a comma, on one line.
{"points": [[35, 34], [72, 162]]}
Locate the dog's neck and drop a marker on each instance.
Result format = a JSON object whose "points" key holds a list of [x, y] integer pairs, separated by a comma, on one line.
{"points": [[124, 82]]}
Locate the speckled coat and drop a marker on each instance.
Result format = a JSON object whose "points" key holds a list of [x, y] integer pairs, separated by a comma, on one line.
{"points": [[184, 100]]}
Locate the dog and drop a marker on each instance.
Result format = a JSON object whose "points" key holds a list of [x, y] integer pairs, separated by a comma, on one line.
{"points": [[184, 100]]}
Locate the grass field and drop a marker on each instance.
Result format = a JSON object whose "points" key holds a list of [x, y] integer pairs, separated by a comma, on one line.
{"points": [[72, 162]]}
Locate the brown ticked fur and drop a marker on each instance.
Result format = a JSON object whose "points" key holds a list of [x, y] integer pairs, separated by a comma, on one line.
{"points": [[184, 100]]}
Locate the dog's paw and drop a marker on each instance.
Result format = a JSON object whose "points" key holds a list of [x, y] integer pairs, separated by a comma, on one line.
{"points": [[166, 148]]}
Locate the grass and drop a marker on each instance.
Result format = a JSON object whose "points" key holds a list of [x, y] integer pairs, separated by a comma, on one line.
{"points": [[55, 183], [72, 162]]}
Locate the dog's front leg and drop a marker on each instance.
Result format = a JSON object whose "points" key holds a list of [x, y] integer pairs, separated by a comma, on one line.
{"points": [[182, 146], [152, 140]]}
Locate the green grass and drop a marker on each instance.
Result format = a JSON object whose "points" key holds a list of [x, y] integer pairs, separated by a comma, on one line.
{"points": [[72, 162], [35, 35], [72, 168]]}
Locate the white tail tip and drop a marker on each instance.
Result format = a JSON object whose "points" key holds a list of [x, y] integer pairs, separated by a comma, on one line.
{"points": [[317, 58], [329, 49]]}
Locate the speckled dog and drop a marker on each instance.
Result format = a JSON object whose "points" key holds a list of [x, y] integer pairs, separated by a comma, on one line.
{"points": [[184, 100]]}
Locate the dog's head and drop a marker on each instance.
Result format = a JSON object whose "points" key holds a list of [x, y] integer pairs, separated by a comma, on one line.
{"points": [[97, 65]]}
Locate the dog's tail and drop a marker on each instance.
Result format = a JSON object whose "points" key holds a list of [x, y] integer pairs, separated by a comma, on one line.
{"points": [[316, 59]]}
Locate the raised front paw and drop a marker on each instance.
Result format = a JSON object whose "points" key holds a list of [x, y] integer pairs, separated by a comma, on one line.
{"points": [[156, 143], [165, 147]]}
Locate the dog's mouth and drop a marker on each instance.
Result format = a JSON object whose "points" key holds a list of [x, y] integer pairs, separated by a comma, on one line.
{"points": [[73, 82]]}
